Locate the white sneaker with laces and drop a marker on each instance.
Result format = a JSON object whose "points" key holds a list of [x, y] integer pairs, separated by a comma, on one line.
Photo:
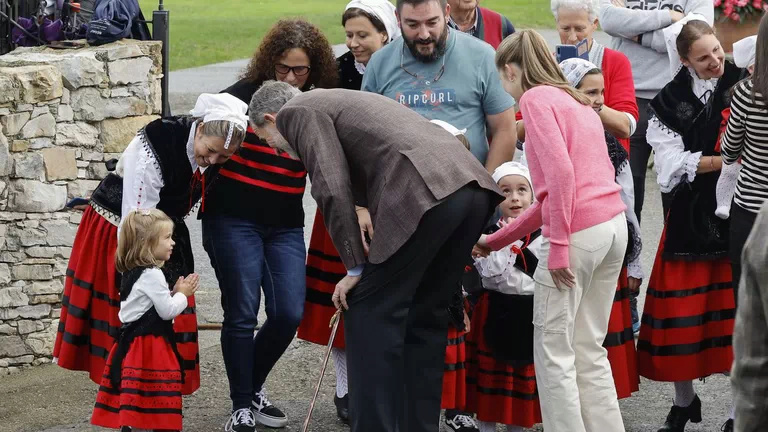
{"points": [[241, 420], [266, 413]]}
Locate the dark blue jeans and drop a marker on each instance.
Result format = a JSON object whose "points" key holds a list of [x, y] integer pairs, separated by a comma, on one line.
{"points": [[248, 258]]}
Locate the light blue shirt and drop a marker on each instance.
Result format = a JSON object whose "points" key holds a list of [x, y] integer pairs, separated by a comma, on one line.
{"points": [[468, 90]]}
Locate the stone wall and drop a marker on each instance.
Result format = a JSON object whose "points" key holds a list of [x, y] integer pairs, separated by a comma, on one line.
{"points": [[62, 114]]}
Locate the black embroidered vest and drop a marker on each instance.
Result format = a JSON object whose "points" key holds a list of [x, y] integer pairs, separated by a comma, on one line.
{"points": [[693, 232]]}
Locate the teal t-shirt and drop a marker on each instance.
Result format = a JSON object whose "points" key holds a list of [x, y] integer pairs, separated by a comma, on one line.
{"points": [[468, 90]]}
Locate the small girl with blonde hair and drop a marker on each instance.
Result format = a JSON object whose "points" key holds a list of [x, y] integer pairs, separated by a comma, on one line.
{"points": [[143, 378]]}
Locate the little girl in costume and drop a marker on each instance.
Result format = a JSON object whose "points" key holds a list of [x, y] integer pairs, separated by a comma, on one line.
{"points": [[142, 382], [743, 57], [501, 377]]}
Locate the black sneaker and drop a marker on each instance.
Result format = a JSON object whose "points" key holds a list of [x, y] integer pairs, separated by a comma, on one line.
{"points": [[342, 407], [461, 422], [727, 426], [266, 413], [241, 420]]}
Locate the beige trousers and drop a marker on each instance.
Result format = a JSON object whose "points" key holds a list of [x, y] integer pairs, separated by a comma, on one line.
{"points": [[573, 375]]}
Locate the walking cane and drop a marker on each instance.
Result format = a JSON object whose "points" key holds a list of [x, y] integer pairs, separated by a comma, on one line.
{"points": [[334, 324]]}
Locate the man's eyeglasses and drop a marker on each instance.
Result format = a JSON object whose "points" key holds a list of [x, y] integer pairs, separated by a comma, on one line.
{"points": [[297, 70], [437, 77]]}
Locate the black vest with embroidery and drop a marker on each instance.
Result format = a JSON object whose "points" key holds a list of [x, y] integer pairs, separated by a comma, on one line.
{"points": [[693, 232]]}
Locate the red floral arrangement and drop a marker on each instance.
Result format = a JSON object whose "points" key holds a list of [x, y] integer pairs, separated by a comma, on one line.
{"points": [[738, 10]]}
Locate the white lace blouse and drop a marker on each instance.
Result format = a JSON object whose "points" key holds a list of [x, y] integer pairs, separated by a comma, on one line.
{"points": [[151, 289], [142, 177], [499, 273], [671, 160]]}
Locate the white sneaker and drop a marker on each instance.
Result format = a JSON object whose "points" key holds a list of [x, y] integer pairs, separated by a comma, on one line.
{"points": [[461, 423], [266, 413], [241, 420]]}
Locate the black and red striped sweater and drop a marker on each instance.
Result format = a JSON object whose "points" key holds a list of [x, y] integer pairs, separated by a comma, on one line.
{"points": [[257, 183]]}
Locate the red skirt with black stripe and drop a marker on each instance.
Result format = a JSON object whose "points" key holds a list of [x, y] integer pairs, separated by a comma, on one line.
{"points": [[688, 319], [455, 374], [89, 324], [324, 271], [620, 342], [497, 391], [150, 390]]}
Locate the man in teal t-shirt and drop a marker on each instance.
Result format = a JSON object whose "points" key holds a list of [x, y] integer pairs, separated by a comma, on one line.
{"points": [[446, 75]]}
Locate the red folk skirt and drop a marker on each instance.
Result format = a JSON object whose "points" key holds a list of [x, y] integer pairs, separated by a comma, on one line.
{"points": [[89, 324], [620, 342], [324, 271], [497, 391], [688, 319], [455, 373], [150, 390]]}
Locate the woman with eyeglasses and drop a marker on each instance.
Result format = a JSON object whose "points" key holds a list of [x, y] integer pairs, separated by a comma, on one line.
{"points": [[368, 25], [253, 228]]}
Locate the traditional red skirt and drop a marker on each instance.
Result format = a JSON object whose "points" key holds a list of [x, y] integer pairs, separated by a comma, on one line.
{"points": [[89, 323], [620, 342], [455, 374], [688, 319], [324, 270], [149, 396], [497, 391]]}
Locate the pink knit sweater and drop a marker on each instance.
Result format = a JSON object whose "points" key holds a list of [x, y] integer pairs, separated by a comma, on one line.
{"points": [[573, 178]]}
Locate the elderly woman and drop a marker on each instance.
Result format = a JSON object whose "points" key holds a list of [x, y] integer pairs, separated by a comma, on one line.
{"points": [[253, 228], [165, 166], [576, 21], [368, 25]]}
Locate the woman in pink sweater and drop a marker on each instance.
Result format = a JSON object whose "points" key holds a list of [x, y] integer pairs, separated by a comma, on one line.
{"points": [[579, 207]]}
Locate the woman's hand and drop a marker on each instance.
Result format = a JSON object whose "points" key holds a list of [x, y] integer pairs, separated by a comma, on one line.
{"points": [[634, 284], [366, 226], [563, 278], [467, 327], [342, 289], [187, 285]]}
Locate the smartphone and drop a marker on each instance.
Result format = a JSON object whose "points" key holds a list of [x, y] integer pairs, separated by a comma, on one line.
{"points": [[564, 52], [77, 202]]}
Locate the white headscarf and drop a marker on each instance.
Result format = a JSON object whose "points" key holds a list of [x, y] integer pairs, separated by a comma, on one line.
{"points": [[512, 168], [449, 127], [221, 106], [381, 9], [575, 69], [670, 39], [744, 52]]}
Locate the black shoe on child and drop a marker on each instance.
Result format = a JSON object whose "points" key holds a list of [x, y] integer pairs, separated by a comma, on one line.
{"points": [[727, 426], [458, 421], [678, 417], [342, 407], [241, 420], [266, 413]]}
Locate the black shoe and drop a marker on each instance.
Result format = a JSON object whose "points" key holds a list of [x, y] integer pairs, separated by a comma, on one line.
{"points": [[241, 420], [727, 426], [460, 422], [342, 407], [679, 416], [266, 413]]}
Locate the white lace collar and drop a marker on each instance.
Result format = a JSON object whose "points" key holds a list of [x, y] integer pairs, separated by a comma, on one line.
{"points": [[703, 89], [191, 150], [360, 67]]}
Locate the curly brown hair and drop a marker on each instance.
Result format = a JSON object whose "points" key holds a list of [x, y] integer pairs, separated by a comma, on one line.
{"points": [[294, 33]]}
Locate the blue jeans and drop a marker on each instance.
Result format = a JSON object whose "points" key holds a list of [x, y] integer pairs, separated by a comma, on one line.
{"points": [[248, 258]]}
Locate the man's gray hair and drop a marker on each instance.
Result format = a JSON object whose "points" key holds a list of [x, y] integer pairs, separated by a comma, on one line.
{"points": [[268, 99], [591, 7]]}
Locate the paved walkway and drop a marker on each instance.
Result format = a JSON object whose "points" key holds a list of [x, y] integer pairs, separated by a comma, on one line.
{"points": [[51, 399]]}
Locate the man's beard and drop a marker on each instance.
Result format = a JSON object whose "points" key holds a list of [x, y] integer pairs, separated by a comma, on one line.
{"points": [[437, 52]]}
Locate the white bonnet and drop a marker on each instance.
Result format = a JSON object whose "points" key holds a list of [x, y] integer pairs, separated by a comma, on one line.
{"points": [[744, 52], [512, 168], [381, 9], [575, 69], [449, 127], [221, 106]]}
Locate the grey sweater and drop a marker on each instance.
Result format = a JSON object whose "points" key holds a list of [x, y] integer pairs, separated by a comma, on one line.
{"points": [[647, 18]]}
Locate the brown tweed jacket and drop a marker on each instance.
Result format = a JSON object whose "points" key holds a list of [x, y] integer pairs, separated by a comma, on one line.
{"points": [[365, 148]]}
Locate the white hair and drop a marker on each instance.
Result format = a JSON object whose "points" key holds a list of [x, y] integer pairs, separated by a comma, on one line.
{"points": [[268, 99], [591, 7]]}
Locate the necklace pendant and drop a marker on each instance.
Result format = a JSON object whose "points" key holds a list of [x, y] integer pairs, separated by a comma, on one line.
{"points": [[426, 82]]}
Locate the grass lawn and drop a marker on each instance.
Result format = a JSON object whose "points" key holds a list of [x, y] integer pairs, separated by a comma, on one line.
{"points": [[204, 31]]}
